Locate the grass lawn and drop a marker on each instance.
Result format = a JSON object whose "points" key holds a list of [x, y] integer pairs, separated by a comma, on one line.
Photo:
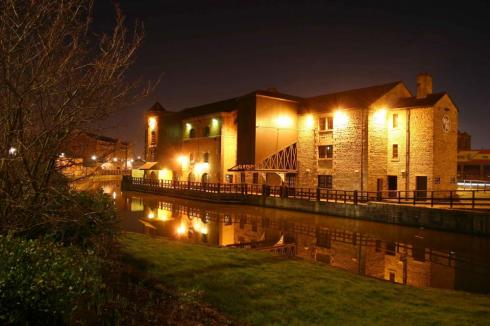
{"points": [[262, 289]]}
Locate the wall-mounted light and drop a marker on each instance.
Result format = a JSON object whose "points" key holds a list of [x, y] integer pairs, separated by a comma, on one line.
{"points": [[309, 121], [379, 116], [12, 151], [115, 159], [188, 126], [214, 122], [200, 168], [340, 119], [284, 121], [94, 157], [183, 160]]}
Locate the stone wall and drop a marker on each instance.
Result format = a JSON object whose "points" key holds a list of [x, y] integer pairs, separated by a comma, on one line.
{"points": [[421, 146], [347, 149], [445, 145], [307, 151]]}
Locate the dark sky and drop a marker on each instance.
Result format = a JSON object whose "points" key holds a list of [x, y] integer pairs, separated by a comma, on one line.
{"points": [[213, 50]]}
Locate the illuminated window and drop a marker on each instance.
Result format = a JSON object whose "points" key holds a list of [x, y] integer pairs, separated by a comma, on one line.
{"points": [[395, 120], [206, 131], [325, 181], [394, 154], [325, 151]]}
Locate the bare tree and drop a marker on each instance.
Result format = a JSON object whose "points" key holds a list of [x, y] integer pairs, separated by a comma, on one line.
{"points": [[56, 75]]}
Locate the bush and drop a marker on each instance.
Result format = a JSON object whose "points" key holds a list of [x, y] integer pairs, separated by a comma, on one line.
{"points": [[42, 282], [86, 219]]}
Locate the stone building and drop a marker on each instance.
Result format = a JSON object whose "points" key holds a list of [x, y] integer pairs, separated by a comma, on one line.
{"points": [[375, 138]]}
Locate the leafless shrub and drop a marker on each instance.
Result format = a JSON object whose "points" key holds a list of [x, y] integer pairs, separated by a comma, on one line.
{"points": [[56, 75]]}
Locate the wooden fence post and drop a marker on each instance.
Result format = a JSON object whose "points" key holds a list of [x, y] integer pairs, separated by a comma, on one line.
{"points": [[473, 199]]}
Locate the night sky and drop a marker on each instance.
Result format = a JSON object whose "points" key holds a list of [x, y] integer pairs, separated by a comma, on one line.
{"points": [[208, 51]]}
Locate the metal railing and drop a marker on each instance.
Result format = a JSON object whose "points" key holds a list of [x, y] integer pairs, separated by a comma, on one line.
{"points": [[467, 199]]}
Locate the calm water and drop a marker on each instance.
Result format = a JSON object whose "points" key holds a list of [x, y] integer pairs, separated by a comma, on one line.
{"points": [[417, 257]]}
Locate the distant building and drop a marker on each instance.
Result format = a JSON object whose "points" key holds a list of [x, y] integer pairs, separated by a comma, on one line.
{"points": [[464, 141], [369, 139], [474, 164], [96, 150]]}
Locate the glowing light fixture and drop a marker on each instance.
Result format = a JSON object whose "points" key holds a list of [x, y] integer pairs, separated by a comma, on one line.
{"points": [[12, 150], [94, 157], [152, 123], [115, 159], [139, 157], [309, 121], [188, 126], [200, 168], [214, 122], [183, 160], [62, 155], [340, 119], [284, 121], [114, 195], [151, 215], [379, 116]]}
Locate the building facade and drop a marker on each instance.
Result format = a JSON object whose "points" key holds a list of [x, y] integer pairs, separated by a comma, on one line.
{"points": [[369, 139]]}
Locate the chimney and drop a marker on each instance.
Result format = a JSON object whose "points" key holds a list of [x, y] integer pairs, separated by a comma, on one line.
{"points": [[424, 85]]}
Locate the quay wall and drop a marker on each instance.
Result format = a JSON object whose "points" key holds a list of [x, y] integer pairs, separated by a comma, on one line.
{"points": [[452, 220]]}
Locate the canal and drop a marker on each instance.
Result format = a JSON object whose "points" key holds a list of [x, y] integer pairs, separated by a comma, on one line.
{"points": [[405, 255]]}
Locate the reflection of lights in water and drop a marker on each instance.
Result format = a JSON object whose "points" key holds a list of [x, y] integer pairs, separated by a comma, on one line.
{"points": [[163, 215], [204, 230], [197, 225], [181, 229]]}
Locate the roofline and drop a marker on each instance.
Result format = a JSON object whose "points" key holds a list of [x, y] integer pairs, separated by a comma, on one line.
{"points": [[395, 83]]}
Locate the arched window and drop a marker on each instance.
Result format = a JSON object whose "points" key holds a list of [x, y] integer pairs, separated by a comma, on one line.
{"points": [[206, 158], [192, 133], [206, 131]]}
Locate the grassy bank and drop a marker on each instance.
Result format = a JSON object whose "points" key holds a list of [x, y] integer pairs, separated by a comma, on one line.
{"points": [[261, 289]]}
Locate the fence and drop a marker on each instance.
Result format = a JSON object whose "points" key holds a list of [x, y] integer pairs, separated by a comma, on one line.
{"points": [[468, 199]]}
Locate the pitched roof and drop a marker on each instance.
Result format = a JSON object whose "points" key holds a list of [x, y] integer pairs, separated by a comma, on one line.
{"points": [[157, 107], [354, 98], [429, 100]]}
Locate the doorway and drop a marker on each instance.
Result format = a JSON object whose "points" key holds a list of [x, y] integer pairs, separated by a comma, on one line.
{"points": [[392, 185], [421, 182]]}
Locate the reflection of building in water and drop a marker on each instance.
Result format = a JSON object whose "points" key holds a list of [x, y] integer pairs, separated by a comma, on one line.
{"points": [[356, 252], [413, 263]]}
